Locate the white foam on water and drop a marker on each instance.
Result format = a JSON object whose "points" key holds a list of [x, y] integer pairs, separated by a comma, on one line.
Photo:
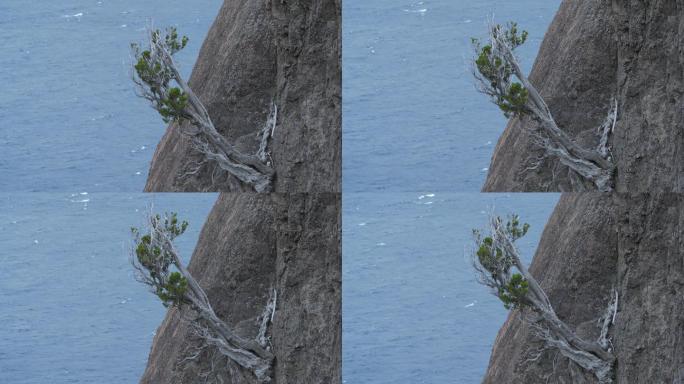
{"points": [[421, 11], [77, 16]]}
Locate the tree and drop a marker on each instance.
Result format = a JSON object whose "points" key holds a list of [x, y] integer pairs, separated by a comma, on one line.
{"points": [[159, 81], [159, 266], [498, 264], [500, 77]]}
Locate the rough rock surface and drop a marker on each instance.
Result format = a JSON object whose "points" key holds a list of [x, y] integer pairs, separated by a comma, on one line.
{"points": [[592, 51], [257, 52], [592, 243], [250, 244]]}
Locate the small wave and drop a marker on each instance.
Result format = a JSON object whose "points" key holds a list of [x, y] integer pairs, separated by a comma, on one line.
{"points": [[74, 16]]}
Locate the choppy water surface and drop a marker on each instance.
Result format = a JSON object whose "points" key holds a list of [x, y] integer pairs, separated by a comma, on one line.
{"points": [[412, 118], [69, 117], [70, 308], [413, 311]]}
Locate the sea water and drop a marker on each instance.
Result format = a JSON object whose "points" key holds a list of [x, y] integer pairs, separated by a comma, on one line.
{"points": [[69, 117], [413, 310], [71, 310], [412, 117]]}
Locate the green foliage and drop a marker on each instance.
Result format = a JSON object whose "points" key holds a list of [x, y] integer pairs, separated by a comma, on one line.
{"points": [[513, 103], [148, 254], [172, 292], [491, 257], [511, 98], [513, 293], [172, 106], [514, 229], [172, 225], [496, 260], [155, 257], [155, 73], [171, 41], [512, 35]]}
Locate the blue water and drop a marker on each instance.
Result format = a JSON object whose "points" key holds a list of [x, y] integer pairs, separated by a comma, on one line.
{"points": [[413, 311], [70, 308], [69, 117], [412, 118]]}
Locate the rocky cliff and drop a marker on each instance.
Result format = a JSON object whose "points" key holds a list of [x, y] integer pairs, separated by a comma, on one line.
{"points": [[250, 244], [591, 244], [258, 52], [593, 50]]}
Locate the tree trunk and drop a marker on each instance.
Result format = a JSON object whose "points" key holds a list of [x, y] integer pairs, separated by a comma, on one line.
{"points": [[260, 52], [251, 244], [591, 243], [592, 51]]}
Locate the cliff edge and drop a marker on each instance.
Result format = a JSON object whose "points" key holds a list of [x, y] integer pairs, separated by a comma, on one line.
{"points": [[250, 245], [260, 52], [591, 244]]}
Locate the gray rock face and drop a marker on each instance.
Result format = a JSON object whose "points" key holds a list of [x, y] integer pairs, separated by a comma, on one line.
{"points": [[258, 52], [592, 243], [592, 51], [250, 244]]}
